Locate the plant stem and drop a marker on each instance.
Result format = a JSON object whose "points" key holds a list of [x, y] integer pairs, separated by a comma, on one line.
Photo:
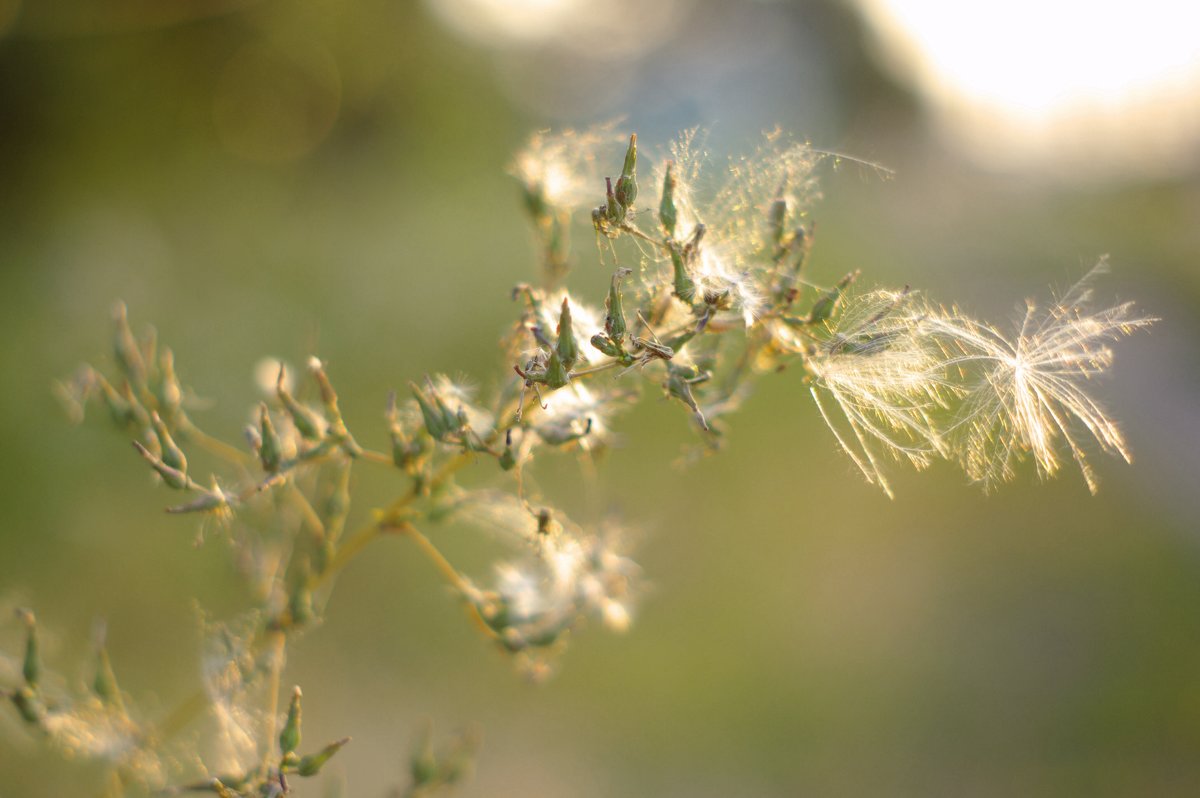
{"points": [[217, 447]]}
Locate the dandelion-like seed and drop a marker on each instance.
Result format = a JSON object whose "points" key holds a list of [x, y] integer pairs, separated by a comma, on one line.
{"points": [[563, 169], [581, 416], [887, 378], [726, 288], [564, 575], [1029, 397]]}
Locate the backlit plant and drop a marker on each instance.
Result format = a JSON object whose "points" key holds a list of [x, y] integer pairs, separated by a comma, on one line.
{"points": [[707, 288]]}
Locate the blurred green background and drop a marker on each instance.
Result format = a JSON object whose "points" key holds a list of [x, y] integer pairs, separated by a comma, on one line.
{"points": [[278, 178]]}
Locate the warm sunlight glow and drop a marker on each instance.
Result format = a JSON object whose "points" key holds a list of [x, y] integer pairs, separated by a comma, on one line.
{"points": [[1042, 80]]}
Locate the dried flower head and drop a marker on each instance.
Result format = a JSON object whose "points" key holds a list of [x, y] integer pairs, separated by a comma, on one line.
{"points": [[1029, 392], [886, 378]]}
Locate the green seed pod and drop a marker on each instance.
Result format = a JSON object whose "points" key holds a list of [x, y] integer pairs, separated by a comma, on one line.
{"points": [[170, 393], [104, 684], [454, 420], [435, 421], [508, 458], [405, 450], [667, 214], [627, 188], [119, 407], [685, 287], [801, 243], [558, 244], [776, 221], [602, 342], [125, 347], [289, 738], [680, 380], [333, 415], [141, 419], [535, 200], [827, 303], [614, 311], [423, 766], [556, 373], [311, 765], [568, 347], [337, 505], [31, 669], [614, 211], [270, 452], [173, 478], [171, 455], [28, 705], [306, 421]]}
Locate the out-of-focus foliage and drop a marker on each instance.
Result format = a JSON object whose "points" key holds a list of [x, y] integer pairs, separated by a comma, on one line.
{"points": [[259, 178]]}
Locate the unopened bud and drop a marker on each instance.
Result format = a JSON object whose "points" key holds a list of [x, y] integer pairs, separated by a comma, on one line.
{"points": [[125, 347], [534, 195], [614, 315], [337, 505], [435, 422], [776, 221], [556, 372], [336, 426], [423, 767], [305, 420], [827, 303], [171, 455], [28, 705], [104, 684], [404, 449], [170, 393], [568, 347], [667, 214], [627, 189], [680, 380], [684, 286], [119, 407], [605, 345], [270, 450], [173, 477], [311, 765], [614, 211], [31, 668], [508, 459], [289, 738]]}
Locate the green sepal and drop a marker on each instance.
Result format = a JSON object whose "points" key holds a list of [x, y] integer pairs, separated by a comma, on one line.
{"points": [[556, 375], [685, 287], [614, 211], [568, 347], [614, 311], [305, 420], [289, 738], [31, 667], [435, 421], [270, 450], [171, 455], [627, 189], [173, 477], [311, 765], [827, 303], [668, 216]]}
